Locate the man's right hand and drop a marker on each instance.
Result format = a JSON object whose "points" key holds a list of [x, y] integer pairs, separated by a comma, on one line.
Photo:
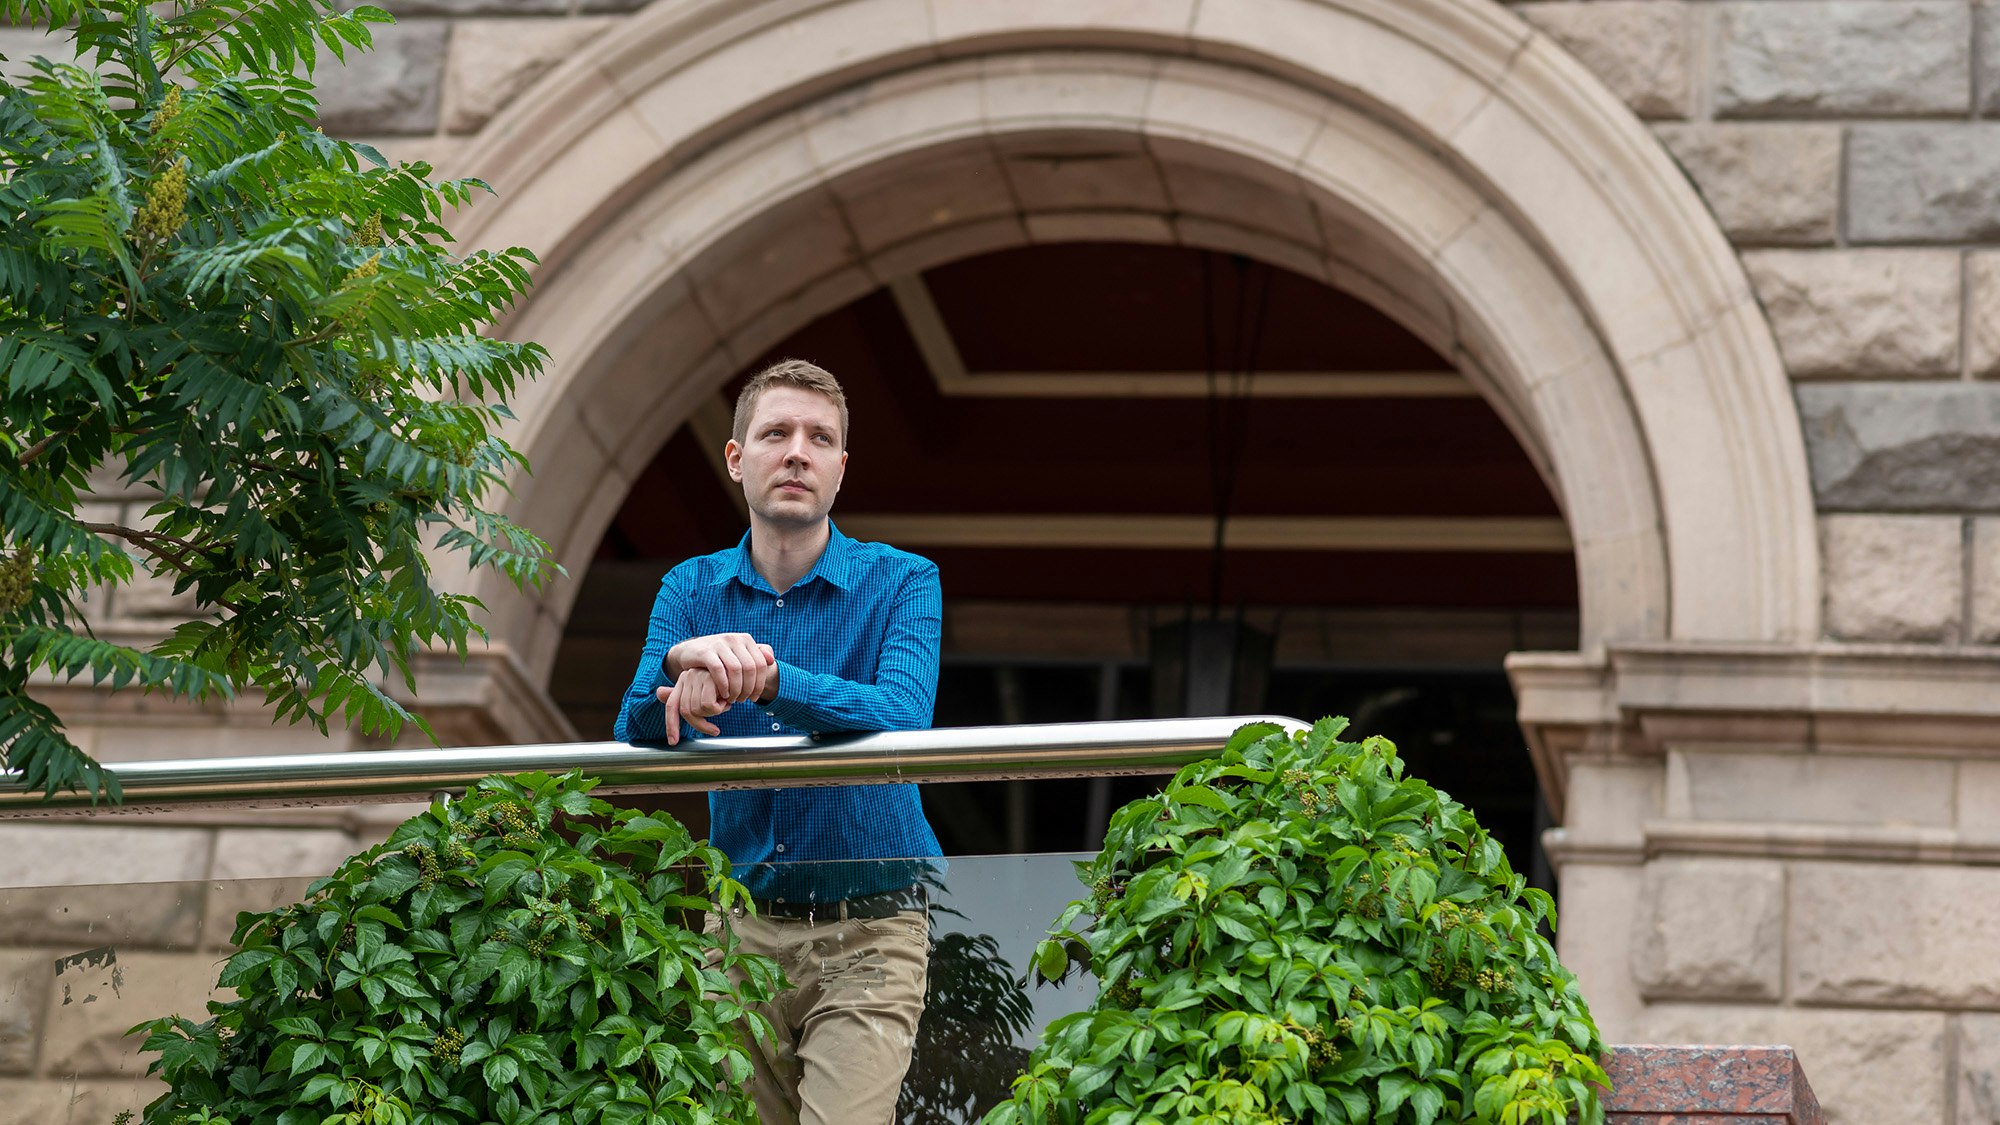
{"points": [[691, 699], [738, 665]]}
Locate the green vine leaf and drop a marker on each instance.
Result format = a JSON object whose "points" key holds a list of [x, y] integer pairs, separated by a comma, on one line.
{"points": [[1296, 930], [526, 1004]]}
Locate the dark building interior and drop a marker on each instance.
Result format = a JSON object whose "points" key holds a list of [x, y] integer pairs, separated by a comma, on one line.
{"points": [[1061, 428]]}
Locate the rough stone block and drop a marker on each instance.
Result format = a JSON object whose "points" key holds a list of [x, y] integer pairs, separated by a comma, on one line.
{"points": [[1766, 183], [1640, 48], [1978, 1069], [152, 595], [1923, 183], [1861, 312], [1986, 22], [1898, 447], [20, 44], [493, 61], [1892, 578], [1868, 1068], [1985, 624], [57, 855], [1982, 311], [1895, 935], [75, 1101], [24, 993], [261, 869], [391, 89], [96, 1000], [1872, 57], [1711, 929], [151, 915]]}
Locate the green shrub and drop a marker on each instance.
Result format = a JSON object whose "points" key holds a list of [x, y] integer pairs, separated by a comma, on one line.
{"points": [[513, 957], [1295, 931]]}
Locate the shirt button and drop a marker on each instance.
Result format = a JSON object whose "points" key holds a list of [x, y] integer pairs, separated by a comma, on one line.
{"points": [[775, 726], [781, 603], [781, 849]]}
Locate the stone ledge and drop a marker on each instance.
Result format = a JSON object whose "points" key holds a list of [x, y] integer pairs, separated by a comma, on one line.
{"points": [[1654, 1085], [1847, 842], [1912, 682], [1734, 840], [1632, 700]]}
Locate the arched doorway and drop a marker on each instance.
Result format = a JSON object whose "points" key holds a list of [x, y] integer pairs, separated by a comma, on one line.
{"points": [[1434, 158], [718, 178], [1060, 426]]}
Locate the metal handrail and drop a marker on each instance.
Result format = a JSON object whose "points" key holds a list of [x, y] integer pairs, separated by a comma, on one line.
{"points": [[1134, 747]]}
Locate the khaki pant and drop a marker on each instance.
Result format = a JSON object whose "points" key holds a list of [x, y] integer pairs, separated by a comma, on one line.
{"points": [[845, 1028]]}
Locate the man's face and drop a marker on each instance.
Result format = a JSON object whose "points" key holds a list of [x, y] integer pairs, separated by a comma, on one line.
{"points": [[790, 461]]}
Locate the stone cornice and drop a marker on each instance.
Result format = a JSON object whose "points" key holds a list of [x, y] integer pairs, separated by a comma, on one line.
{"points": [[1642, 699], [1846, 842]]}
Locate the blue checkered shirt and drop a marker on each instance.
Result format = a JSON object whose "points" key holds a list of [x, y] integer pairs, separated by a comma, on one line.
{"points": [[857, 647]]}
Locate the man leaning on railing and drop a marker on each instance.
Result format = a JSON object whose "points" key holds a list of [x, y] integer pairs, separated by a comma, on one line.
{"points": [[799, 629]]}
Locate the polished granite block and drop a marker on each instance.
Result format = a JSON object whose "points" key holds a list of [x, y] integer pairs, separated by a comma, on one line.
{"points": [[1659, 1085]]}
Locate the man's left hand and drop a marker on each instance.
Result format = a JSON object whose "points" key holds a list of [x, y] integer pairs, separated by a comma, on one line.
{"points": [[692, 697]]}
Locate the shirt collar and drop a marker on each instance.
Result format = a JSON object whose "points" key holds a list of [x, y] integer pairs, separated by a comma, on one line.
{"points": [[836, 563]]}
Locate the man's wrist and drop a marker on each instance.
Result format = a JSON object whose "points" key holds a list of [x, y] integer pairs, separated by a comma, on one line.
{"points": [[770, 691]]}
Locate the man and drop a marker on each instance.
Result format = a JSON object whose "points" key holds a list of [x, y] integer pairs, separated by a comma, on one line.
{"points": [[799, 629]]}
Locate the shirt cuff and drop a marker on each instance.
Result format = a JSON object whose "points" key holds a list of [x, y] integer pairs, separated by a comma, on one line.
{"points": [[790, 705]]}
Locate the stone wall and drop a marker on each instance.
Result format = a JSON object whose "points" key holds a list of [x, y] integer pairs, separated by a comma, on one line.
{"points": [[1778, 863], [80, 964], [446, 67], [1851, 150]]}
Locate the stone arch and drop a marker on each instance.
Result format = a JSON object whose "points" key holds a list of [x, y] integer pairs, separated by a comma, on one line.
{"points": [[715, 176]]}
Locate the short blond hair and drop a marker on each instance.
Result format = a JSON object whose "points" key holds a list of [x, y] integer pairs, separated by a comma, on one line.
{"points": [[788, 373]]}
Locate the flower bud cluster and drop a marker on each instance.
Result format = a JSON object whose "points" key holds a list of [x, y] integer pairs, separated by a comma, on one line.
{"points": [[165, 209], [17, 580]]}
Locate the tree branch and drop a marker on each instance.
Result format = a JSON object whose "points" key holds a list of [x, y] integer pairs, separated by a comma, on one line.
{"points": [[184, 52], [151, 542], [30, 454]]}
